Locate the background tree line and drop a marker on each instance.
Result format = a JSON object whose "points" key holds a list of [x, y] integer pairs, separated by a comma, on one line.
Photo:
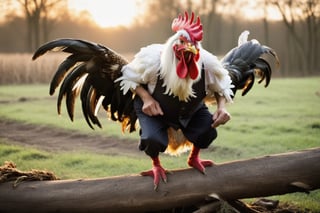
{"points": [[296, 37]]}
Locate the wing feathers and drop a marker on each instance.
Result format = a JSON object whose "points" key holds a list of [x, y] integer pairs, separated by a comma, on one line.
{"points": [[68, 83], [85, 107], [90, 70], [65, 67], [70, 46], [92, 99]]}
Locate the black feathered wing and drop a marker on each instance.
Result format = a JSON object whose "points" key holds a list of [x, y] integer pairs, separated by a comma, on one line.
{"points": [[248, 61], [90, 71]]}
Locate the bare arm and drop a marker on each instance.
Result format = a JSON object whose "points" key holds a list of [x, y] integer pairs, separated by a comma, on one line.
{"points": [[150, 106], [221, 116]]}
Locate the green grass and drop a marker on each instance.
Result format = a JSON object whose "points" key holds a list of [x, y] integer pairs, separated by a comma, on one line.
{"points": [[80, 164], [69, 165], [32, 104], [284, 117]]}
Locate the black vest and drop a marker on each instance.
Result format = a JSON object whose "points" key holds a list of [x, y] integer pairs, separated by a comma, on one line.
{"points": [[178, 112]]}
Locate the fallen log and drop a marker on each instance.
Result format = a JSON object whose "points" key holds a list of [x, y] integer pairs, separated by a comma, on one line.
{"points": [[257, 177]]}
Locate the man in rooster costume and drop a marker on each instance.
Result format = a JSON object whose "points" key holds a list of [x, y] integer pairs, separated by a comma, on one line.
{"points": [[171, 81], [164, 87]]}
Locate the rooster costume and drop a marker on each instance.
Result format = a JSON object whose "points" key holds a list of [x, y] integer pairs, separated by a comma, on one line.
{"points": [[163, 87], [179, 88]]}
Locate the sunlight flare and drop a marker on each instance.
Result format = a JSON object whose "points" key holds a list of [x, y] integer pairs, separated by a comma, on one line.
{"points": [[107, 13]]}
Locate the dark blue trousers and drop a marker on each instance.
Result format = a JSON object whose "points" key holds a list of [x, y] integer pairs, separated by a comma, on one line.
{"points": [[153, 129]]}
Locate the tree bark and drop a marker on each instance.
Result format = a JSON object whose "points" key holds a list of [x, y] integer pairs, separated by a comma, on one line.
{"points": [[257, 177]]}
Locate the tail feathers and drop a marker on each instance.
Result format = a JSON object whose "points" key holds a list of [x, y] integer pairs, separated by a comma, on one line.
{"points": [[247, 61], [177, 142]]}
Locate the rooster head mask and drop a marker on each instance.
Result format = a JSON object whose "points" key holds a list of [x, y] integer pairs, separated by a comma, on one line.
{"points": [[187, 50]]}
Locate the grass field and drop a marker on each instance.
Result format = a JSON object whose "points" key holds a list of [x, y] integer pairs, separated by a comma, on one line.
{"points": [[284, 117]]}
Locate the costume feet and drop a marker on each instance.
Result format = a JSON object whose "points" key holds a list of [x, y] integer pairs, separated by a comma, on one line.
{"points": [[156, 172], [195, 162]]}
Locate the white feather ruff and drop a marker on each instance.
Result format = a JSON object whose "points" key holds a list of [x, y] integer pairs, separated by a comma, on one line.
{"points": [[182, 88], [146, 64], [217, 78], [142, 69]]}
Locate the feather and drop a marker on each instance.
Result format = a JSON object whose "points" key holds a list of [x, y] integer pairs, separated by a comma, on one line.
{"points": [[216, 76], [83, 96], [92, 98], [142, 69], [243, 38], [68, 83], [178, 143], [70, 46], [63, 68], [98, 105], [246, 61], [263, 70], [90, 70]]}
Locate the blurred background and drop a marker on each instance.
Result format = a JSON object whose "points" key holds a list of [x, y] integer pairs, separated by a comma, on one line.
{"points": [[282, 118], [291, 27]]}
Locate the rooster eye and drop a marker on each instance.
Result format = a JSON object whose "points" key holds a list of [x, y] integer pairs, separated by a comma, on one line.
{"points": [[183, 40]]}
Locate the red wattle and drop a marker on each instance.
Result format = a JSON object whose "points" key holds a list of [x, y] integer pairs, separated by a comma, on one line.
{"points": [[182, 69], [187, 64], [193, 69]]}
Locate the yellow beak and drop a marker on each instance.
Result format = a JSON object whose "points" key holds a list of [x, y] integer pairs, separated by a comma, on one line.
{"points": [[191, 48]]}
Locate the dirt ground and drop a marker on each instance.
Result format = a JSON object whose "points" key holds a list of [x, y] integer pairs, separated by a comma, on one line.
{"points": [[56, 139]]}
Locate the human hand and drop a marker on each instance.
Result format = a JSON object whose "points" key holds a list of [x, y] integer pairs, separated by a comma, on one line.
{"points": [[220, 117], [151, 107]]}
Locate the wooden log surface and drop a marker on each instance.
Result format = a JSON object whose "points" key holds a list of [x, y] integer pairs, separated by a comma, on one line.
{"points": [[256, 177]]}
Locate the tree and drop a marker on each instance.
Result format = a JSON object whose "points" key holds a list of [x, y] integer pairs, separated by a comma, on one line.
{"points": [[302, 20], [212, 24], [166, 11], [36, 14], [265, 21]]}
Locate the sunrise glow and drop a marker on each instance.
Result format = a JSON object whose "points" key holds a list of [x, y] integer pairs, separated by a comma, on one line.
{"points": [[107, 13], [113, 13]]}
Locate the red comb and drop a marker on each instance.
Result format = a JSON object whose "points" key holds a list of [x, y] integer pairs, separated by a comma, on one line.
{"points": [[193, 28]]}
